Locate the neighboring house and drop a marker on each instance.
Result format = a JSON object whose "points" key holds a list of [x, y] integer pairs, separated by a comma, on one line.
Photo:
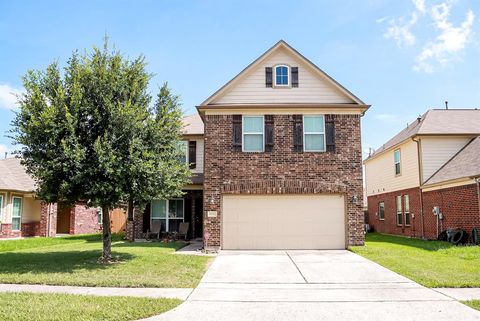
{"points": [[278, 164], [21, 214], [434, 162]]}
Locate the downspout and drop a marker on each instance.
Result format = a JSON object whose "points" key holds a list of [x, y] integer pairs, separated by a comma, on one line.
{"points": [[420, 181], [478, 194]]}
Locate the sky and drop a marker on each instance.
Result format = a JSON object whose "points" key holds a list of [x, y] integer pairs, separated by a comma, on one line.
{"points": [[400, 56]]}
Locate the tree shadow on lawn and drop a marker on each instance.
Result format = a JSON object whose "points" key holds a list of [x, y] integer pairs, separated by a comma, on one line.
{"points": [[170, 245], [55, 262], [427, 245]]}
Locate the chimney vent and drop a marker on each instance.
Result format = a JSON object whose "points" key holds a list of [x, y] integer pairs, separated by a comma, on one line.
{"points": [[446, 104]]}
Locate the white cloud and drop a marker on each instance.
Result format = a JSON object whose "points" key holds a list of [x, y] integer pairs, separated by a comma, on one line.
{"points": [[8, 97], [401, 30], [450, 42]]}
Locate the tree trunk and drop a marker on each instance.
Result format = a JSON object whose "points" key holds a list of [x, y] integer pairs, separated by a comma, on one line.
{"points": [[130, 210], [107, 234]]}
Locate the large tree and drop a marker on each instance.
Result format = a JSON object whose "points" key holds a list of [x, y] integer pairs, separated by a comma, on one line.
{"points": [[89, 134]]}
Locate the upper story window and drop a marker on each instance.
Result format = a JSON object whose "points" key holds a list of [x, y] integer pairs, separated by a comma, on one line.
{"points": [[314, 133], [183, 147], [253, 134], [282, 75], [397, 160]]}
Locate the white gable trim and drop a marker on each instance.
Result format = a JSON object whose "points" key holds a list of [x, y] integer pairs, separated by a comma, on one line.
{"points": [[268, 53]]}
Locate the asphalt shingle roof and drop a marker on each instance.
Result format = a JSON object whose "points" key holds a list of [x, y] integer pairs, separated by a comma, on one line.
{"points": [[435, 122], [14, 177]]}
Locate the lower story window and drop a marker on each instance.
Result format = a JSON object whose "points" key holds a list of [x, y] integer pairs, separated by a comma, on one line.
{"points": [[399, 210], [406, 208], [16, 213], [100, 215], [169, 213], [381, 210]]}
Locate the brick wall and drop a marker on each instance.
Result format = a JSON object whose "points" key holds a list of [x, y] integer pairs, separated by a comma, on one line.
{"points": [[389, 224], [84, 220], [27, 229], [459, 206], [48, 220], [282, 170]]}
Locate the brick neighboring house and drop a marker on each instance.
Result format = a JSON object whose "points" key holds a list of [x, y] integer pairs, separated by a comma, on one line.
{"points": [[21, 214], [433, 162], [277, 161]]}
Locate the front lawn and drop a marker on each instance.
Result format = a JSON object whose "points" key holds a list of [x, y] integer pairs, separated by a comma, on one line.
{"points": [[430, 263], [473, 304], [58, 307], [73, 261]]}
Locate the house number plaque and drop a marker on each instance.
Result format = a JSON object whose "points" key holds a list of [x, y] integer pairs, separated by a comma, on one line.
{"points": [[211, 213]]}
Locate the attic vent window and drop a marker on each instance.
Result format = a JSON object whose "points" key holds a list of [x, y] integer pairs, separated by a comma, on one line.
{"points": [[282, 75]]}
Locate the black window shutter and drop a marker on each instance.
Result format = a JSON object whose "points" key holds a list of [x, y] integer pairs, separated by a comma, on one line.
{"points": [[298, 133], [237, 133], [192, 154], [294, 76], [330, 133], [268, 133], [268, 76]]}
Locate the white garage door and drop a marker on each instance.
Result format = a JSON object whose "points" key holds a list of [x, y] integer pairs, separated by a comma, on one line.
{"points": [[283, 222]]}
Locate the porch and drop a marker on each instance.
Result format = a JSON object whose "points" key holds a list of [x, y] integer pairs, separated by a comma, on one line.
{"points": [[170, 213]]}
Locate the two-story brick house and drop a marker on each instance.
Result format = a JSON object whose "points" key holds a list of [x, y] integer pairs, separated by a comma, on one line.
{"points": [[431, 163], [281, 157]]}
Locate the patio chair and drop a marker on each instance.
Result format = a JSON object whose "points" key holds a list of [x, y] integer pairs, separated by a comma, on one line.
{"points": [[155, 228], [183, 230]]}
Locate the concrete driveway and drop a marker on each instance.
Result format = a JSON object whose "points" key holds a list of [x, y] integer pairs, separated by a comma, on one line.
{"points": [[311, 285]]}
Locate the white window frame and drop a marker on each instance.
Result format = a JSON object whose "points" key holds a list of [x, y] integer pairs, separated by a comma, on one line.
{"points": [[2, 204], [253, 133], [288, 76], [21, 212], [406, 198], [167, 218], [399, 162], [314, 133], [399, 211], [186, 142], [379, 216]]}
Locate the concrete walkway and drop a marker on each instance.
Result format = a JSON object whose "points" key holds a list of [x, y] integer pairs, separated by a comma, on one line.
{"points": [[181, 294], [461, 294], [311, 285]]}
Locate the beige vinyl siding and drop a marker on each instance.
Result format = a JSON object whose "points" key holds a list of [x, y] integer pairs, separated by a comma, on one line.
{"points": [[31, 210], [200, 148], [436, 151], [380, 171], [312, 88]]}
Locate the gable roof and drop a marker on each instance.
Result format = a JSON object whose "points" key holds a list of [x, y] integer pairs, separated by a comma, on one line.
{"points": [[14, 176], [281, 44], [464, 164], [437, 122], [192, 125]]}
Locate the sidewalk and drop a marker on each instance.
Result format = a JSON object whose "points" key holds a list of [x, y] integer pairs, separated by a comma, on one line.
{"points": [[175, 293], [460, 294]]}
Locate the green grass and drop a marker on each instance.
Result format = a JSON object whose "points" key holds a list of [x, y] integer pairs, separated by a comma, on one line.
{"points": [[29, 243], [430, 263], [73, 261], [475, 304], [56, 307]]}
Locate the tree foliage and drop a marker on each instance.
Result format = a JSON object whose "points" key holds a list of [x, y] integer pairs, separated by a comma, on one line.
{"points": [[90, 134]]}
